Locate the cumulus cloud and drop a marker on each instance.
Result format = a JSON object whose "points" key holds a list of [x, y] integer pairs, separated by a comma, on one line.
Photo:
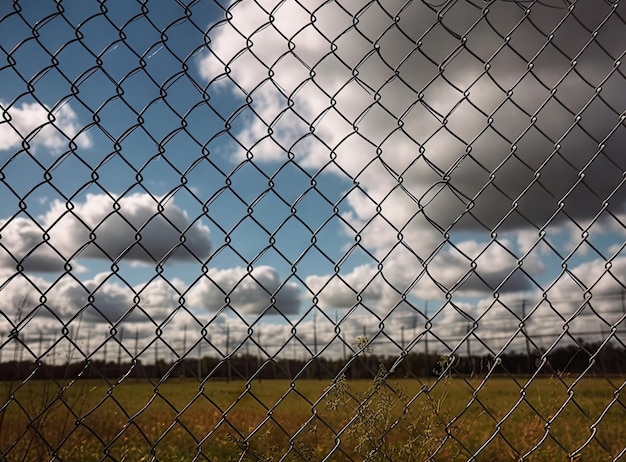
{"points": [[448, 126], [24, 247], [100, 299], [102, 226], [470, 123], [344, 291], [246, 292], [96, 303], [421, 118], [472, 267], [586, 301], [468, 269], [40, 126]]}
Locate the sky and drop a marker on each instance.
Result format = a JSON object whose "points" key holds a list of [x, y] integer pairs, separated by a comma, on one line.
{"points": [[309, 172]]}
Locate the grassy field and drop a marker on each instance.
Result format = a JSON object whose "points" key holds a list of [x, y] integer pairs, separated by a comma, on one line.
{"points": [[265, 420]]}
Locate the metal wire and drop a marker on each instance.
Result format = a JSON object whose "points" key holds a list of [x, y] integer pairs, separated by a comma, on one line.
{"points": [[412, 204]]}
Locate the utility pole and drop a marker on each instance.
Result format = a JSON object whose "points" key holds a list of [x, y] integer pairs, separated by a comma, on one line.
{"points": [[406, 358], [69, 354], [426, 340], [314, 363], [182, 372], [156, 359], [470, 360], [528, 360], [135, 358], [409, 366], [623, 297], [258, 341], [136, 342], [227, 353], [200, 358], [315, 333], [246, 365], [104, 355], [342, 338], [119, 348]]}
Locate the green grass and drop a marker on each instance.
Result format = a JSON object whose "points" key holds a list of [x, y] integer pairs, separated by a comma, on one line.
{"points": [[399, 420]]}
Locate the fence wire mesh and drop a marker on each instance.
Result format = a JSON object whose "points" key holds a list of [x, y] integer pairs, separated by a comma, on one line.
{"points": [[312, 230]]}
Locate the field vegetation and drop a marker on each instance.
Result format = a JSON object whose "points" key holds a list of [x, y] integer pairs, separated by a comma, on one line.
{"points": [[399, 419]]}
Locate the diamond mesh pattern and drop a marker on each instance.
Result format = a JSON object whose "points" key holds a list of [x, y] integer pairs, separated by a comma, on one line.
{"points": [[312, 230]]}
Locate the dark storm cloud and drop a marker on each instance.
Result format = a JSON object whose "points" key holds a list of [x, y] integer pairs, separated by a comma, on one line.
{"points": [[455, 116], [490, 108]]}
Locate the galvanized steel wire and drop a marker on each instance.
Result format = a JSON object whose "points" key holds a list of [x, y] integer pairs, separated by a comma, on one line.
{"points": [[404, 124]]}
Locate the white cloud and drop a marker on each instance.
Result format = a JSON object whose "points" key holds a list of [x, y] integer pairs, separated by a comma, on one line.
{"points": [[20, 296], [389, 97], [111, 300], [468, 269], [138, 230], [248, 293], [472, 268], [343, 291], [23, 245], [100, 299], [143, 306], [400, 127], [585, 301], [94, 229], [41, 127]]}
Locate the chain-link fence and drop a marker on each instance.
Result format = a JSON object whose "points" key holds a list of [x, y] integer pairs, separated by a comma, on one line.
{"points": [[312, 230]]}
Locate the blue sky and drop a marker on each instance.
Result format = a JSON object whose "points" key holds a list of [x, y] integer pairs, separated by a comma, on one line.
{"points": [[345, 160]]}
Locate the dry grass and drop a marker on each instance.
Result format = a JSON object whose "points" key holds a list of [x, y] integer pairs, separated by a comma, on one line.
{"points": [[386, 419]]}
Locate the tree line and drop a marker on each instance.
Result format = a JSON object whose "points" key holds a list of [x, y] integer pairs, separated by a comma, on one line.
{"points": [[591, 358]]}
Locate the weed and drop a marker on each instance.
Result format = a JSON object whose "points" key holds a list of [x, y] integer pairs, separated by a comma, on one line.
{"points": [[384, 424], [422, 421]]}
